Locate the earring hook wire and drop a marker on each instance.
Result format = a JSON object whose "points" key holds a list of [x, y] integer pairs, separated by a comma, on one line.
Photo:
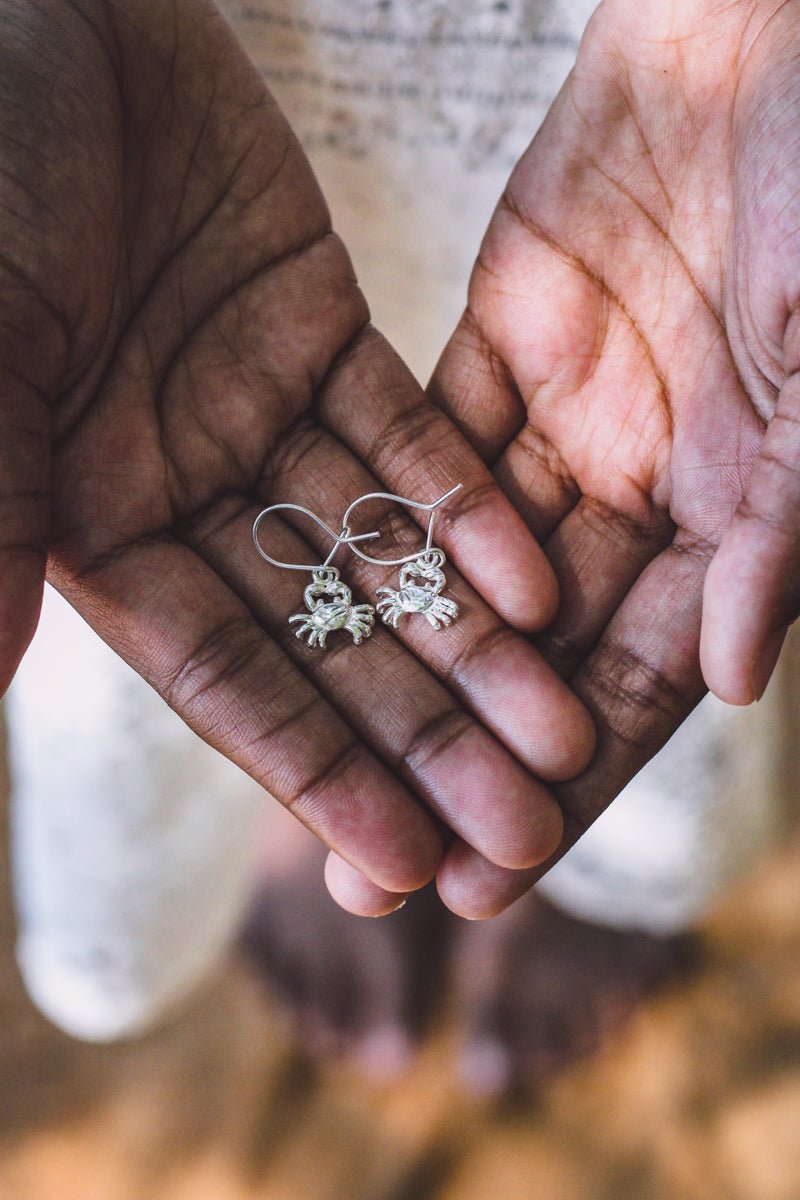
{"points": [[431, 508], [345, 538]]}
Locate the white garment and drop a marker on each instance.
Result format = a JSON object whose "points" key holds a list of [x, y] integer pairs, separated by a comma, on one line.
{"points": [[133, 843], [413, 113], [691, 822]]}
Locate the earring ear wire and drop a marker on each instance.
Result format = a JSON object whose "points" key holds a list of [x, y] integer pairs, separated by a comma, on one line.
{"points": [[421, 576], [406, 558], [328, 601], [345, 538]]}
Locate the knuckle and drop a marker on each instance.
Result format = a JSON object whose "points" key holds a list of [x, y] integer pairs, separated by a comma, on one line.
{"points": [[777, 522], [475, 648], [780, 464], [632, 698], [316, 787], [469, 500], [210, 521], [619, 528], [410, 429], [218, 661], [541, 452], [695, 545], [435, 737], [300, 441], [561, 649]]}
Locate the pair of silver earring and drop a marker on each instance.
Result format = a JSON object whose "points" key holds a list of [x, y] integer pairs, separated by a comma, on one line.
{"points": [[329, 602]]}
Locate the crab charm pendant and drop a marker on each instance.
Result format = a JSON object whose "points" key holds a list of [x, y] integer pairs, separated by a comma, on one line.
{"points": [[330, 607], [421, 581]]}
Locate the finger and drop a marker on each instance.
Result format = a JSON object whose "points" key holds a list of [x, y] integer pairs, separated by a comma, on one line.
{"points": [[29, 369], [752, 592], [477, 392], [643, 678], [355, 893], [597, 554], [171, 617], [474, 888], [390, 699], [640, 682], [493, 670], [374, 408], [467, 883], [24, 518]]}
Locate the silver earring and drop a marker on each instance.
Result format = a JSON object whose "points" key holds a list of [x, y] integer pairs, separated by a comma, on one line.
{"points": [[329, 601], [421, 576]]}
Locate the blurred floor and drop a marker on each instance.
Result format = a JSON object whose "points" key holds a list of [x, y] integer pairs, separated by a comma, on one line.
{"points": [[698, 1100]]}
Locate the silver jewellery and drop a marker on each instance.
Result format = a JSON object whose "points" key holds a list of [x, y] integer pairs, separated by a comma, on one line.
{"points": [[328, 600], [421, 575]]}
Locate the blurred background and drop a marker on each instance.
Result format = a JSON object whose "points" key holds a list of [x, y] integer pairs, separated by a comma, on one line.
{"points": [[697, 1099]]}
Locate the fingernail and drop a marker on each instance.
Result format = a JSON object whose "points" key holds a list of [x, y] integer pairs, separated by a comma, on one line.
{"points": [[764, 665]]}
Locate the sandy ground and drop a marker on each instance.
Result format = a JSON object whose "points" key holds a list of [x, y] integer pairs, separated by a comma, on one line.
{"points": [[699, 1099]]}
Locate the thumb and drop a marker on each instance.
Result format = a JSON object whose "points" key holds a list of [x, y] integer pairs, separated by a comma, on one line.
{"points": [[752, 590]]}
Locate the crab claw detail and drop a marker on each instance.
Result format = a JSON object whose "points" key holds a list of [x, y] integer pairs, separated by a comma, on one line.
{"points": [[421, 581], [330, 607]]}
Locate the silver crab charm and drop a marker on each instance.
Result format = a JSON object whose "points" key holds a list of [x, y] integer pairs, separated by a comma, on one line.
{"points": [[421, 581], [330, 607]]}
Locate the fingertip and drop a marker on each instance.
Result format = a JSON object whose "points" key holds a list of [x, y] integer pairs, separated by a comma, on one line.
{"points": [[529, 597], [749, 596], [503, 561], [728, 654], [737, 676], [577, 745], [356, 894], [535, 841], [544, 597], [722, 682], [476, 889], [719, 662], [557, 729], [549, 828], [725, 681], [407, 866]]}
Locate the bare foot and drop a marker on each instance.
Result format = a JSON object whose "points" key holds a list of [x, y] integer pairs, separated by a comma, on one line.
{"points": [[536, 989], [355, 987], [532, 990]]}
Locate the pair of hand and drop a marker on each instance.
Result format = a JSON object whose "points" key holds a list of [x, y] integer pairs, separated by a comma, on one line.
{"points": [[182, 342]]}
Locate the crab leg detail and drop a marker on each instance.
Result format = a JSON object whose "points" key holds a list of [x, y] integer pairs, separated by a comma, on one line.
{"points": [[330, 607], [421, 581]]}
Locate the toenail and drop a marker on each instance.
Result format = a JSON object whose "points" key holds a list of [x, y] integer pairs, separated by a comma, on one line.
{"points": [[485, 1068], [385, 1053]]}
